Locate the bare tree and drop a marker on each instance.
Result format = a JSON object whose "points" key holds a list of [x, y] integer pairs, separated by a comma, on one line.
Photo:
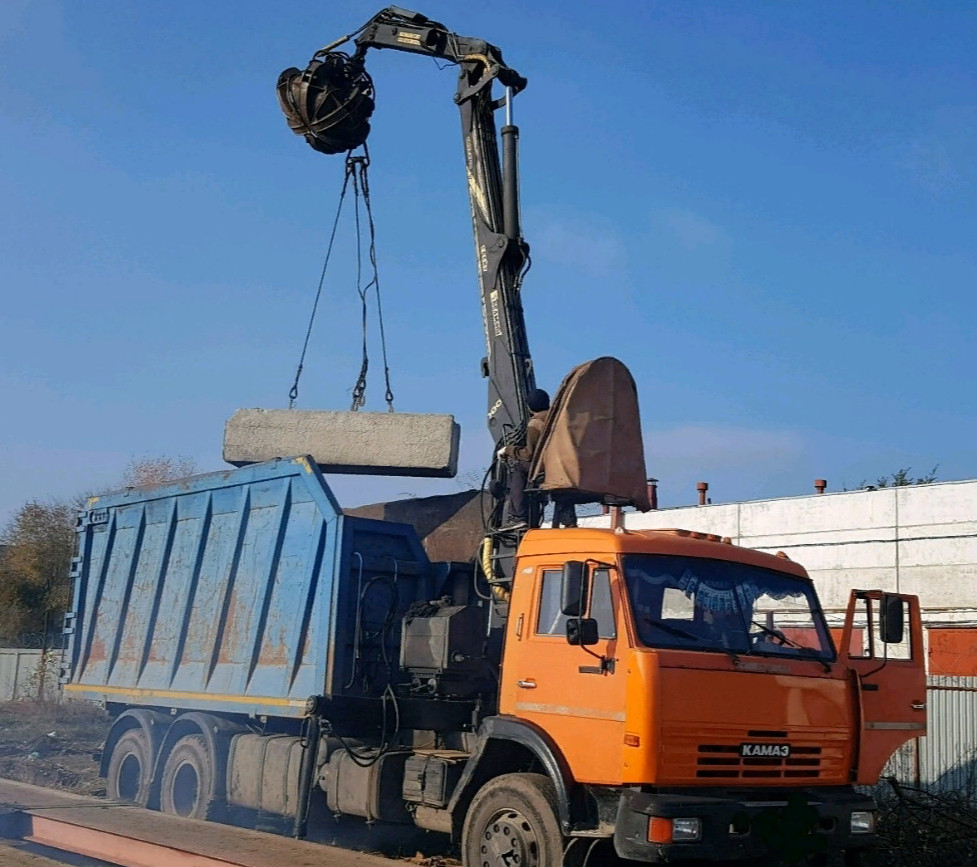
{"points": [[145, 471], [473, 480]]}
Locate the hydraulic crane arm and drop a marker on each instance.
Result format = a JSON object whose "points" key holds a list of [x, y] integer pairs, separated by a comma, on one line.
{"points": [[501, 253], [330, 103], [404, 30]]}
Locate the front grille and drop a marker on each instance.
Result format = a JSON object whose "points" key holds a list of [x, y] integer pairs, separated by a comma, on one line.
{"points": [[724, 762]]}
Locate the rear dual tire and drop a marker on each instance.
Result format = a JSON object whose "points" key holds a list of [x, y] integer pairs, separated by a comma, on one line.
{"points": [[187, 786]]}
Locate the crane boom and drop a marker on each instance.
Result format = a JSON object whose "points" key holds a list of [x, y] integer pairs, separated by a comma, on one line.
{"points": [[500, 251], [330, 103]]}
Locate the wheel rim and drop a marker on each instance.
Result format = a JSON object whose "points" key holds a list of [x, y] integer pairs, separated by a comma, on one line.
{"points": [[129, 777], [508, 840], [186, 789]]}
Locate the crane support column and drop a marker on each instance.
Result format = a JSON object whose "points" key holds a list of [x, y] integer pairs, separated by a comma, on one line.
{"points": [[510, 172]]}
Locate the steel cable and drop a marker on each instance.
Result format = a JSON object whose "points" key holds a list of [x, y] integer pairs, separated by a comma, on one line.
{"points": [[294, 390], [356, 172]]}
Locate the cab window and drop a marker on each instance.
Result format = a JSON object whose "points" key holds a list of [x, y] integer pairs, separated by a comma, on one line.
{"points": [[866, 636], [551, 621], [602, 605]]}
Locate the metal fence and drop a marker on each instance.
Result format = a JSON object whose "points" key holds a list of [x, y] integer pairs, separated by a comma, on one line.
{"points": [[946, 759], [29, 673]]}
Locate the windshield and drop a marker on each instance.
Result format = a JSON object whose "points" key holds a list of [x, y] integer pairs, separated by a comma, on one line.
{"points": [[698, 604]]}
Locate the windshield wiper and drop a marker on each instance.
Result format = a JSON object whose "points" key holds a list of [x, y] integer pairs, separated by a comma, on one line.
{"points": [[805, 652], [684, 633], [674, 630], [775, 633]]}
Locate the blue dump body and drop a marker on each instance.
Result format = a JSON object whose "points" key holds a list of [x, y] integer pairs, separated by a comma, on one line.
{"points": [[243, 591]]}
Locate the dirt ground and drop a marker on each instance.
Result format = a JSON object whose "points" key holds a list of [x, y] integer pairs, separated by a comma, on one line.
{"points": [[54, 745], [58, 745]]}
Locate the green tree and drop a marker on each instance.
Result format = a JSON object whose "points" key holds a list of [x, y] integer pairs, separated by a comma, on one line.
{"points": [[39, 542], [901, 478]]}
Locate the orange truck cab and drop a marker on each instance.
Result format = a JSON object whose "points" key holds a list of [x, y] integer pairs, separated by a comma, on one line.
{"points": [[693, 690]]}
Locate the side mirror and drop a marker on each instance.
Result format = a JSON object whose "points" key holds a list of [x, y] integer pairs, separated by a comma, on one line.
{"points": [[891, 619], [582, 631], [573, 591]]}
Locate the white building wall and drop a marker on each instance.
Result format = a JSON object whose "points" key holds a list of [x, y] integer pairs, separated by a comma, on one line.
{"points": [[918, 539]]}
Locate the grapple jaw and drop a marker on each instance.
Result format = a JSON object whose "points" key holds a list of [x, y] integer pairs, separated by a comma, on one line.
{"points": [[329, 102]]}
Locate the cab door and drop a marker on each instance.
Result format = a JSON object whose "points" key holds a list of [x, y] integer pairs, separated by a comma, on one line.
{"points": [[575, 694], [889, 676]]}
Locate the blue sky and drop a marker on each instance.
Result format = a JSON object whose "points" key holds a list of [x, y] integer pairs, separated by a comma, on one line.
{"points": [[767, 210]]}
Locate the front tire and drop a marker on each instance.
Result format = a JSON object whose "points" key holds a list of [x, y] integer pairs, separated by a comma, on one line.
{"points": [[512, 822], [187, 787], [130, 769]]}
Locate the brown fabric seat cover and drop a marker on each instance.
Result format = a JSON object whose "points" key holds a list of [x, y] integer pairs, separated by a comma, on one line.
{"points": [[591, 447]]}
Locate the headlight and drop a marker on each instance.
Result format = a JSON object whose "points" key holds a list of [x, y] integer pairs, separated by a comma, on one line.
{"points": [[863, 822], [686, 830]]}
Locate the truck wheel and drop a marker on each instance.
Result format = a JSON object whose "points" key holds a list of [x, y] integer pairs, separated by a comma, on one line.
{"points": [[130, 769], [512, 823], [188, 779]]}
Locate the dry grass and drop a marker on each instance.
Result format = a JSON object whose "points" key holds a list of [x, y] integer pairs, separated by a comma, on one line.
{"points": [[54, 745], [921, 829]]}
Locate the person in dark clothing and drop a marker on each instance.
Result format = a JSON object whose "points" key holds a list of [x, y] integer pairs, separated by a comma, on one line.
{"points": [[564, 511], [520, 460]]}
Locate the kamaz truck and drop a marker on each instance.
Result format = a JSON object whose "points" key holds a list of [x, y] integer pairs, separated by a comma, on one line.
{"points": [[266, 657], [261, 652]]}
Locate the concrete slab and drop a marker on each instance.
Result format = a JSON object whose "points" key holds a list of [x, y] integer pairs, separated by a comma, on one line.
{"points": [[364, 443]]}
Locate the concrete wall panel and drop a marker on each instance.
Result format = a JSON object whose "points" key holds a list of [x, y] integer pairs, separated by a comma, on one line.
{"points": [[723, 520], [835, 585], [941, 587], [947, 503], [853, 510], [861, 555], [946, 552], [21, 676], [917, 539], [829, 538]]}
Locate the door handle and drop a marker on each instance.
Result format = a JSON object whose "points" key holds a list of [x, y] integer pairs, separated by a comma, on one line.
{"points": [[526, 684], [918, 705]]}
